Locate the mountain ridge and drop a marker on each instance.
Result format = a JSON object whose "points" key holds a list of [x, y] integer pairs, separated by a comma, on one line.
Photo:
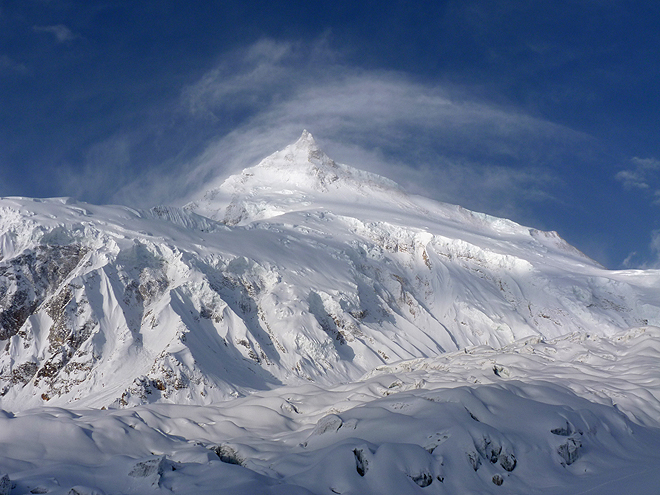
{"points": [[111, 306]]}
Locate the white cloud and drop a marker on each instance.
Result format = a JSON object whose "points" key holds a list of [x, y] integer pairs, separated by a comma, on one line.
{"points": [[62, 33], [646, 163], [429, 138], [106, 168], [636, 260], [629, 262], [244, 79], [655, 249], [644, 171], [7, 64], [632, 179]]}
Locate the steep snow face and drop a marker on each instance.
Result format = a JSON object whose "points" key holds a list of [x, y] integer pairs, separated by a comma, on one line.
{"points": [[297, 178], [296, 270]]}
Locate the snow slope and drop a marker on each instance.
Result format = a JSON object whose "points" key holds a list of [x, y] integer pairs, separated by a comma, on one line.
{"points": [[481, 421], [307, 327], [296, 270]]}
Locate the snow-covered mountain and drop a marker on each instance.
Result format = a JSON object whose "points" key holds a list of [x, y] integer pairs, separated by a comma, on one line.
{"points": [[298, 269], [308, 327]]}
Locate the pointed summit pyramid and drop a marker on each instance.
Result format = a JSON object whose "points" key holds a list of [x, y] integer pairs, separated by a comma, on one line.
{"points": [[306, 142], [306, 137], [292, 179], [306, 151], [302, 164]]}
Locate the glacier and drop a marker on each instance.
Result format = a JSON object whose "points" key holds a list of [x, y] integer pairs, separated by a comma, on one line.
{"points": [[308, 327]]}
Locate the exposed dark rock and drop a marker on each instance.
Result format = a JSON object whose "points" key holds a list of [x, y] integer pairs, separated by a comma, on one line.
{"points": [[153, 469], [500, 370], [422, 479], [229, 455], [5, 485], [474, 459], [28, 279], [564, 431], [361, 463], [330, 325], [16, 311], [498, 480], [570, 451], [330, 423], [84, 490], [23, 373], [508, 461], [488, 449], [472, 415], [159, 384]]}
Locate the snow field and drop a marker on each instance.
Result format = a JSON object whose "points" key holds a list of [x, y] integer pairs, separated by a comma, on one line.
{"points": [[481, 421]]}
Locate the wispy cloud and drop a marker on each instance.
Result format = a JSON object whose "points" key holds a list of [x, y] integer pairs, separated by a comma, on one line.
{"points": [[655, 246], [244, 80], [632, 179], [635, 261], [644, 173], [62, 33], [9, 65], [644, 261], [106, 168], [432, 139]]}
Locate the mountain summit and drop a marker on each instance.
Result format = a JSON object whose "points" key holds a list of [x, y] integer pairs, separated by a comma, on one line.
{"points": [[293, 179]]}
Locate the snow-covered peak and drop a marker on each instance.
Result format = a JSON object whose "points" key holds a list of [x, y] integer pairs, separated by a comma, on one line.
{"points": [[301, 185], [306, 144], [305, 167], [294, 179], [301, 166]]}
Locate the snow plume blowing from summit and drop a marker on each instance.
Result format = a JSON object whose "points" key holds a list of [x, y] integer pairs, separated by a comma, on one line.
{"points": [[434, 140], [443, 141], [304, 326]]}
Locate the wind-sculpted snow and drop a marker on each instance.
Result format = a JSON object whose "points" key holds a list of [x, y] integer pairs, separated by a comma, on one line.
{"points": [[481, 421], [299, 269]]}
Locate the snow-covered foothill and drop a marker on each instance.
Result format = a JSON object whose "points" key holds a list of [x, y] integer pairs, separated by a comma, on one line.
{"points": [[482, 421]]}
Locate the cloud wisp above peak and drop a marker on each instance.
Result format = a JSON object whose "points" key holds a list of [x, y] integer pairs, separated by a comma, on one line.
{"points": [[435, 141]]}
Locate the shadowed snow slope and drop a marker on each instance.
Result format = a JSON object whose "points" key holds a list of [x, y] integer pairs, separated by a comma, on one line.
{"points": [[307, 327]]}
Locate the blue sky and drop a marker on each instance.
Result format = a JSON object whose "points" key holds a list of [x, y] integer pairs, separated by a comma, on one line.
{"points": [[542, 112]]}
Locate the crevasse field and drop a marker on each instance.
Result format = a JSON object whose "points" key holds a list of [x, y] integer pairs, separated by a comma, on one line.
{"points": [[307, 327]]}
